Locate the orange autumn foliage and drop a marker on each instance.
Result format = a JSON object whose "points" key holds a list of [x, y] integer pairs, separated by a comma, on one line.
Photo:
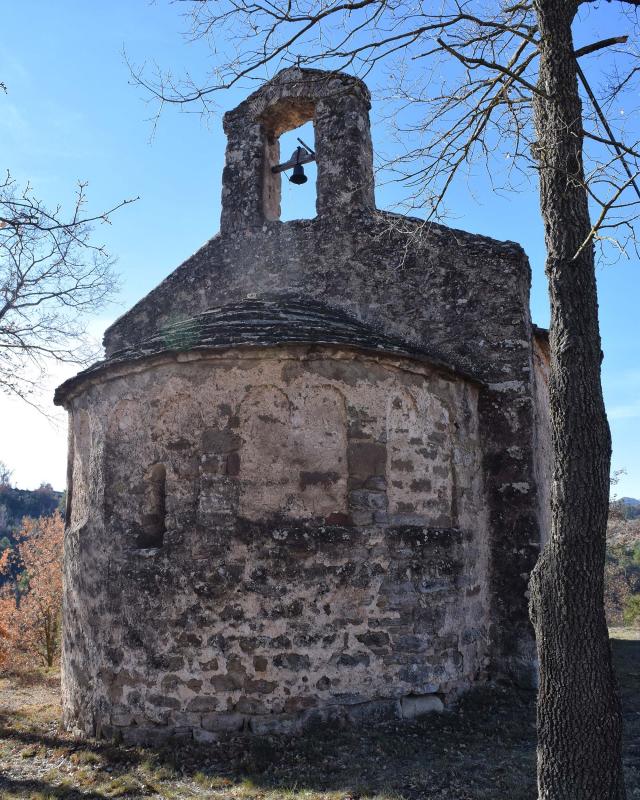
{"points": [[30, 612]]}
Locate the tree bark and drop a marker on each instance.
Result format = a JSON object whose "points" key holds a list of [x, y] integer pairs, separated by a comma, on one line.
{"points": [[579, 720]]}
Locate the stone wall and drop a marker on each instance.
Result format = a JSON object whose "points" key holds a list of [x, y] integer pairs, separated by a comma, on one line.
{"points": [[460, 296], [269, 538], [464, 297]]}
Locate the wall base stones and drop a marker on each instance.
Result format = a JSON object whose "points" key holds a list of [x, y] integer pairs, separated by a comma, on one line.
{"points": [[214, 727]]}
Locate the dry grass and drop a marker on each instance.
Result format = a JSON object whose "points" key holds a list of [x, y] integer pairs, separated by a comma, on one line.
{"points": [[630, 634], [485, 751]]}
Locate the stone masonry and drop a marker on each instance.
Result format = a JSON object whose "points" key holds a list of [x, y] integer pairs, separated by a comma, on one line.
{"points": [[309, 480]]}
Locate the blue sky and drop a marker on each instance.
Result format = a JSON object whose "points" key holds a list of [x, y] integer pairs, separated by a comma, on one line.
{"points": [[71, 114]]}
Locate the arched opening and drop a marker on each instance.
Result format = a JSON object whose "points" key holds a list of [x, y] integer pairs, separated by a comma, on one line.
{"points": [[265, 424], [293, 461], [153, 520], [298, 201], [285, 124], [419, 459]]}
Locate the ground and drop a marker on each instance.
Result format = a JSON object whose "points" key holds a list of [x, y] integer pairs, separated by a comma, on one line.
{"points": [[484, 751]]}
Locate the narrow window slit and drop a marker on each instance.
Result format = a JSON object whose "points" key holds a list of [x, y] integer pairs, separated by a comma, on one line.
{"points": [[153, 521]]}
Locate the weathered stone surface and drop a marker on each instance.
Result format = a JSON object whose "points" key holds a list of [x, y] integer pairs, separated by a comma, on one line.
{"points": [[280, 723], [222, 722], [309, 479], [205, 737], [199, 704], [374, 711], [271, 613]]}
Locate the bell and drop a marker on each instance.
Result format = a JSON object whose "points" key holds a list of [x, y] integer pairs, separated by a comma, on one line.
{"points": [[298, 177]]}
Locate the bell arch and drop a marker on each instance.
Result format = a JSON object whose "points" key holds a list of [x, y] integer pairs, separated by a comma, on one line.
{"points": [[278, 120], [339, 106]]}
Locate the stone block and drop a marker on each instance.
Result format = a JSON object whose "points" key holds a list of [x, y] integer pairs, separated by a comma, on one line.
{"points": [[410, 643], [205, 737], [109, 732], [418, 705], [260, 663], [224, 683], [275, 724], [300, 703], [218, 723], [159, 716], [292, 661], [353, 660], [141, 735], [323, 684], [376, 483], [215, 440], [260, 686], [233, 464], [249, 705], [202, 704], [417, 674], [366, 459], [163, 701], [121, 718], [374, 639], [375, 711], [361, 517], [185, 719], [363, 499]]}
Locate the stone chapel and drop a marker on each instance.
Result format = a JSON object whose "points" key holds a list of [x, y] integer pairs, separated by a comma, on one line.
{"points": [[310, 478]]}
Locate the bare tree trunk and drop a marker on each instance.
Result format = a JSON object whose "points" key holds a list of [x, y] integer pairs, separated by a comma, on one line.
{"points": [[579, 720]]}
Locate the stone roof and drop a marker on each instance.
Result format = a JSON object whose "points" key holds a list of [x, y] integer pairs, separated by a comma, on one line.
{"points": [[264, 322]]}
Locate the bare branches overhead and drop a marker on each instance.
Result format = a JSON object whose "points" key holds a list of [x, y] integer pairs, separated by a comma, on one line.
{"points": [[460, 92], [284, 32], [52, 278]]}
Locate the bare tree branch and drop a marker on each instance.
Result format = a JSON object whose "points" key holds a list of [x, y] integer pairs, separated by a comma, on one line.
{"points": [[607, 127], [593, 48], [52, 278]]}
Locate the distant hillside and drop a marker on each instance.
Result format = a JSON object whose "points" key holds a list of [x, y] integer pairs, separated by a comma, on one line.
{"points": [[631, 507], [18, 503], [15, 504]]}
